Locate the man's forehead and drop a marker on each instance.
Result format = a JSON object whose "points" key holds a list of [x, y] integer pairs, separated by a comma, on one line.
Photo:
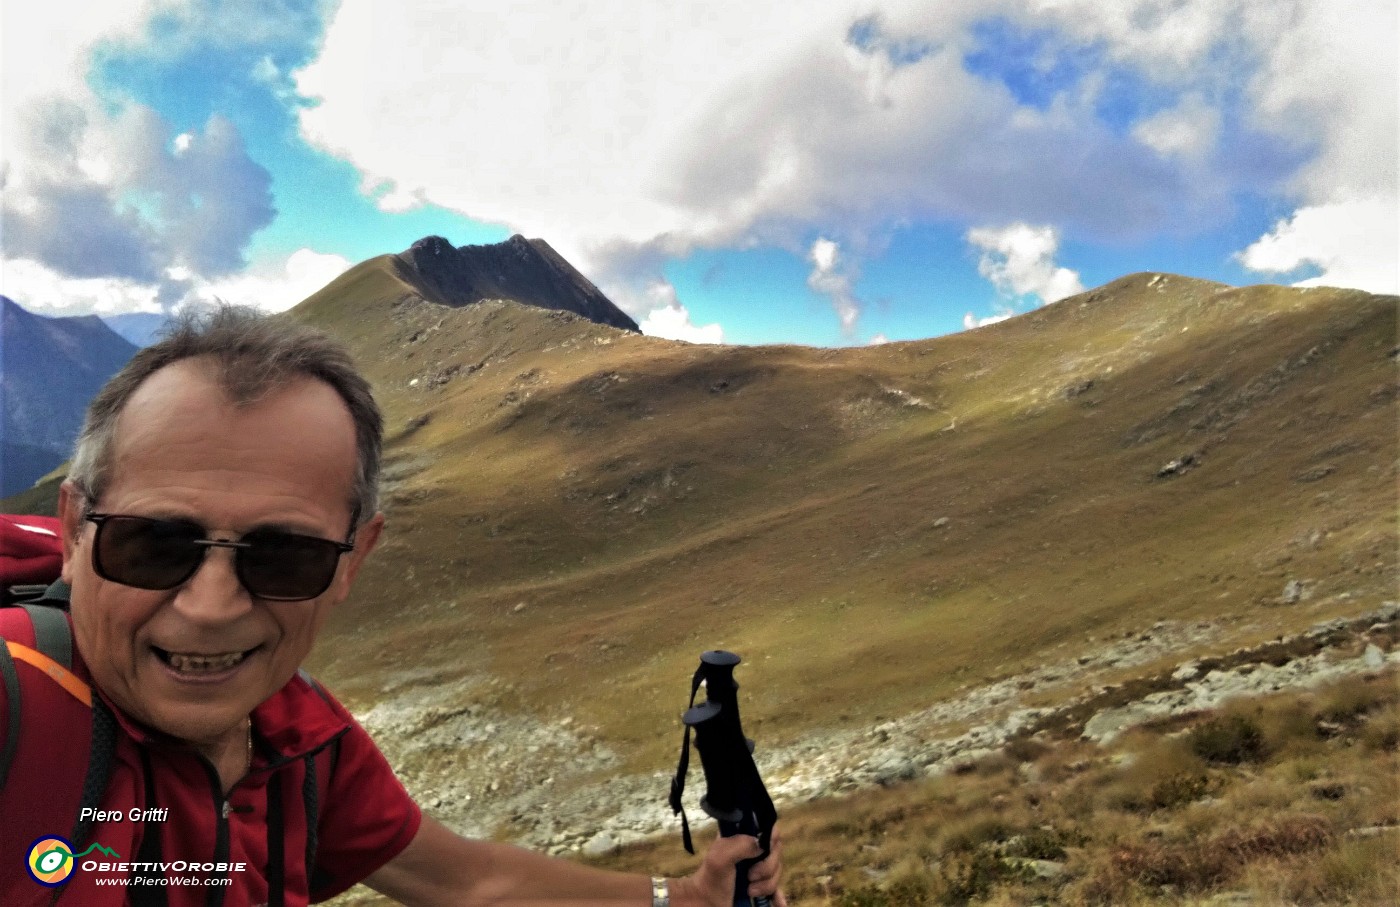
{"points": [[181, 416], [196, 382]]}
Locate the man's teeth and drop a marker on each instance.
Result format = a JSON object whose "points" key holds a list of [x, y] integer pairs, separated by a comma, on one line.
{"points": [[204, 664]]}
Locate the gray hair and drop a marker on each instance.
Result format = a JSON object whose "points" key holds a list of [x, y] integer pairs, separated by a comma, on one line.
{"points": [[250, 355]]}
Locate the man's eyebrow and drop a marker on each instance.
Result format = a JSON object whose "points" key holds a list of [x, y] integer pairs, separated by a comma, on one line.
{"points": [[287, 528], [157, 513], [177, 516]]}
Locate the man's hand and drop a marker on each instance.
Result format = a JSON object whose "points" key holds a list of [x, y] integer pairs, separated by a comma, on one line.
{"points": [[712, 885], [440, 869]]}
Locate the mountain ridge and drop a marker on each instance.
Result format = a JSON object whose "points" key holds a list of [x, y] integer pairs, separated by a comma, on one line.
{"points": [[527, 271], [50, 368], [582, 467]]}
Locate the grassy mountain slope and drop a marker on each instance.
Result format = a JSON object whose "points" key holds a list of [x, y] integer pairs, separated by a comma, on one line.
{"points": [[581, 511]]}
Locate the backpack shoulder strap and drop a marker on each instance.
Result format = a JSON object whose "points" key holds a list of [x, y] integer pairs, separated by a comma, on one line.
{"points": [[9, 678], [316, 785], [52, 634], [52, 654]]}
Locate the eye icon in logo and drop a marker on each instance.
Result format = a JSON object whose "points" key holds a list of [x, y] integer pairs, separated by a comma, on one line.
{"points": [[50, 861]]}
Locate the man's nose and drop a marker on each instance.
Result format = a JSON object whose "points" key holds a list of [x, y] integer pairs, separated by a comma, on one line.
{"points": [[214, 594]]}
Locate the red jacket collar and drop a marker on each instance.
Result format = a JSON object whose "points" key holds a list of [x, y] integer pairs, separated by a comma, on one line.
{"points": [[297, 720]]}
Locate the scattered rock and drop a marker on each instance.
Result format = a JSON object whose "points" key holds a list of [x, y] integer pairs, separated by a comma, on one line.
{"points": [[1316, 473], [1041, 869], [1249, 679], [1178, 466], [940, 522], [895, 769], [600, 845], [1372, 831], [484, 791], [1292, 592], [1187, 671], [1374, 657]]}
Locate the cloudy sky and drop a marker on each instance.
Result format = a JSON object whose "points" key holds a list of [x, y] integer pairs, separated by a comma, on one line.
{"points": [[828, 173]]}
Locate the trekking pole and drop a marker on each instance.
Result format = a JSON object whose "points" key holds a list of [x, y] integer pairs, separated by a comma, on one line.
{"points": [[734, 796]]}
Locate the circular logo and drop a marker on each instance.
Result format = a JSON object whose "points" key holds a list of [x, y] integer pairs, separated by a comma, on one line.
{"points": [[50, 861]]}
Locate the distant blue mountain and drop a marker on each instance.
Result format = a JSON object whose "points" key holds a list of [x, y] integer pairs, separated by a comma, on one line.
{"points": [[140, 328], [50, 369]]}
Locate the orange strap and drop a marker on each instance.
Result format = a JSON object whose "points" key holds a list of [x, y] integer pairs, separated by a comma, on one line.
{"points": [[64, 678]]}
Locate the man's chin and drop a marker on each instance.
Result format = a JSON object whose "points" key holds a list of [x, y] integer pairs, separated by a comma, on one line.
{"points": [[206, 728]]}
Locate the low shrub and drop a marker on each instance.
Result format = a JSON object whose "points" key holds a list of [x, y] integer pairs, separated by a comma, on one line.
{"points": [[1229, 739], [1189, 866], [909, 891], [972, 877], [1382, 732], [1038, 844], [1178, 790], [1350, 698], [1026, 749], [1356, 871], [975, 833], [1276, 837]]}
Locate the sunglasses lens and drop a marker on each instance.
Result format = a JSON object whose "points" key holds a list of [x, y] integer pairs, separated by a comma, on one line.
{"points": [[285, 567], [145, 553]]}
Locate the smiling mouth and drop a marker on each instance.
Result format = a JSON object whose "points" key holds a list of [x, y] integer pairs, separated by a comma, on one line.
{"points": [[186, 663]]}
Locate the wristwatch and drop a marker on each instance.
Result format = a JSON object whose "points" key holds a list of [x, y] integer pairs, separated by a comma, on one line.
{"points": [[660, 892]]}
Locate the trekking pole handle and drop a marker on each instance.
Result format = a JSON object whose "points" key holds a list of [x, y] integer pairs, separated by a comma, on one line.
{"points": [[735, 795]]}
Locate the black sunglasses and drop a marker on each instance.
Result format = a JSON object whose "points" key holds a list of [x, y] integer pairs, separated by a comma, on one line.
{"points": [[162, 554]]}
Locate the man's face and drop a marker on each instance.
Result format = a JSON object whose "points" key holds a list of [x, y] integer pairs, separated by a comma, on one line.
{"points": [[182, 451]]}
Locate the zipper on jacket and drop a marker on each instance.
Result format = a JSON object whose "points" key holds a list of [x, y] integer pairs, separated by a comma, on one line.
{"points": [[221, 845]]}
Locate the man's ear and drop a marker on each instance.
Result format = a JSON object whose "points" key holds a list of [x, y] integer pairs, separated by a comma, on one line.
{"points": [[366, 537], [70, 516]]}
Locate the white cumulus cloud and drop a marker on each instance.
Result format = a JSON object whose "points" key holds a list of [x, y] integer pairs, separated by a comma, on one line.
{"points": [[832, 277], [106, 206], [47, 292], [277, 286], [666, 317], [971, 321], [626, 125], [1019, 260], [1355, 244], [68, 194], [620, 129], [273, 286], [1331, 85], [1189, 129]]}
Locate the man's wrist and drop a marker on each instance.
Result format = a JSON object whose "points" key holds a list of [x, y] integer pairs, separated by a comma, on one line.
{"points": [[684, 892]]}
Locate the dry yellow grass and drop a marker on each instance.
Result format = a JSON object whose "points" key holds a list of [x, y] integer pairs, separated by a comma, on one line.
{"points": [[1258, 831]]}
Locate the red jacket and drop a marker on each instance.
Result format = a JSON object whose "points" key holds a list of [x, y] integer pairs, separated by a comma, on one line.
{"points": [[179, 825]]}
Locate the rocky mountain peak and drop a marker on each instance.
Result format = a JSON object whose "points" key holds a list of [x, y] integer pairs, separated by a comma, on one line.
{"points": [[431, 247], [524, 270]]}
